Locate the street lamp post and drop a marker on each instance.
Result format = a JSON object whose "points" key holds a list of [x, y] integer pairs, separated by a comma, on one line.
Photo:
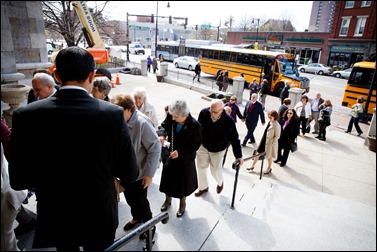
{"points": [[155, 35], [256, 39]]}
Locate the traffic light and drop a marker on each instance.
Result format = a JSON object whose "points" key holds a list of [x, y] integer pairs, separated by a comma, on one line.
{"points": [[152, 18], [170, 20], [196, 27], [185, 26]]}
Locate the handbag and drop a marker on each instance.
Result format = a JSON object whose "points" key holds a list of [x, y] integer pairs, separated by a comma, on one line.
{"points": [[167, 161], [118, 187], [293, 146]]}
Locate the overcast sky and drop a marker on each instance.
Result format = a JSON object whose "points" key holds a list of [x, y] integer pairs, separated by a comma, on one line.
{"points": [[206, 12]]}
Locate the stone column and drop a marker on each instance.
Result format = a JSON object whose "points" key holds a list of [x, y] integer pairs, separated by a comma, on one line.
{"points": [[238, 84], [164, 69], [144, 67], [295, 96]]}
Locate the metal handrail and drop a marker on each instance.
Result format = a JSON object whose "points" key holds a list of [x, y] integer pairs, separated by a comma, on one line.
{"points": [[236, 166], [163, 217]]}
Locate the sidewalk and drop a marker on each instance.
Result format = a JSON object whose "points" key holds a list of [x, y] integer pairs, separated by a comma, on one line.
{"points": [[323, 199]]}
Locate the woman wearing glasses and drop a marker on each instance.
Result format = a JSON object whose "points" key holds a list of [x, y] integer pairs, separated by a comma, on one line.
{"points": [[289, 131], [235, 109]]}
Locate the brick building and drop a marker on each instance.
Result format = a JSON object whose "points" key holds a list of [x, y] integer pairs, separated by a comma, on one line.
{"points": [[352, 37]]}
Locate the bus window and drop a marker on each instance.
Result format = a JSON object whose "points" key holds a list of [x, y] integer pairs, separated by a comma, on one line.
{"points": [[216, 54], [361, 77], [225, 56]]}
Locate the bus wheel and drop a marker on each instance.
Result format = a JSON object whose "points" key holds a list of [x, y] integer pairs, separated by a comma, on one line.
{"points": [[278, 89]]}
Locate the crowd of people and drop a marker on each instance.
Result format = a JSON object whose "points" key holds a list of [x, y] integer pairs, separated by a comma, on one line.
{"points": [[122, 138]]}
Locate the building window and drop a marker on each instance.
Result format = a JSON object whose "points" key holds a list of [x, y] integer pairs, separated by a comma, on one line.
{"points": [[349, 4], [344, 26], [360, 25], [366, 3]]}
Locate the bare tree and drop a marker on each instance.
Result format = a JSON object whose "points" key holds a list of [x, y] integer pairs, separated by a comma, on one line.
{"points": [[246, 23], [61, 18], [229, 23]]}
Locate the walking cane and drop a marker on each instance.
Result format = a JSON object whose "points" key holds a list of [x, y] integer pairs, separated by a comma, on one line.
{"points": [[236, 166]]}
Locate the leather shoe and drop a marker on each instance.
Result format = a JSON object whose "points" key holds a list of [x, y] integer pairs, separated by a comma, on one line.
{"points": [[268, 172], [130, 225], [276, 161], [282, 164], [220, 188], [201, 192], [165, 207], [243, 145]]}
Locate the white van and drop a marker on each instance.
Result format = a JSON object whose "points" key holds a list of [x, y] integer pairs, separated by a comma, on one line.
{"points": [[136, 48]]}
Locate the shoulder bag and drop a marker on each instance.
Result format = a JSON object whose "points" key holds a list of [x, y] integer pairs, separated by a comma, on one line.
{"points": [[167, 162], [293, 146]]}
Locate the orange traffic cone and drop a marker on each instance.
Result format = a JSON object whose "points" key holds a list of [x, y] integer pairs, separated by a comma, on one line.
{"points": [[117, 80], [112, 84]]}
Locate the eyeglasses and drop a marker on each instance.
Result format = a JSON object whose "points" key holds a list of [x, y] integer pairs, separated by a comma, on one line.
{"points": [[232, 99]]}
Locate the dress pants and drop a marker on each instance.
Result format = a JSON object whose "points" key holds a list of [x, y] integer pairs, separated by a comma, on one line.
{"points": [[136, 198], [315, 115], [204, 158]]}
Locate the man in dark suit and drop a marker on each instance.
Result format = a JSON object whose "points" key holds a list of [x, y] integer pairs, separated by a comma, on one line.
{"points": [[82, 143], [253, 110]]}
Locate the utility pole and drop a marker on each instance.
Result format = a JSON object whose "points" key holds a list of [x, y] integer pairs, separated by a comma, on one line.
{"points": [[128, 39], [155, 37], [256, 39]]}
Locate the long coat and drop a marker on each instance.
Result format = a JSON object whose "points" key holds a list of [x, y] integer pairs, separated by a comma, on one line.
{"points": [[78, 144], [272, 137], [179, 179]]}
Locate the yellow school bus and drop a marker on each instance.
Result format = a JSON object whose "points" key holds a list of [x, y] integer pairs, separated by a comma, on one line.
{"points": [[362, 83], [278, 67]]}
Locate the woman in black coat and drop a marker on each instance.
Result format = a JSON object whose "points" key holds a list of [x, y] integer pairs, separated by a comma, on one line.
{"points": [[179, 177], [289, 131]]}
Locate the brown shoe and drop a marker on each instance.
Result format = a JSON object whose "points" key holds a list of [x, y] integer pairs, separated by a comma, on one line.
{"points": [[220, 188], [201, 192]]}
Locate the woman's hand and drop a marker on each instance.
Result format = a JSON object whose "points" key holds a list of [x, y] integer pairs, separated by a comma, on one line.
{"points": [[174, 154]]}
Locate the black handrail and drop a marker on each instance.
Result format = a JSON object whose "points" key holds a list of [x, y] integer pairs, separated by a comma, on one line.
{"points": [[236, 166], [163, 217]]}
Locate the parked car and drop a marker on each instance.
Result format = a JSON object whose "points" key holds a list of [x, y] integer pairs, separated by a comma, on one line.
{"points": [[316, 68], [186, 62], [343, 73]]}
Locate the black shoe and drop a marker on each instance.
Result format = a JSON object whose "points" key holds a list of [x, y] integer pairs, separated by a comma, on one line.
{"points": [[282, 164], [243, 145], [143, 236], [165, 206], [359, 134], [250, 142], [268, 172], [24, 228], [347, 131], [198, 80], [317, 137], [130, 225], [277, 161], [322, 139]]}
